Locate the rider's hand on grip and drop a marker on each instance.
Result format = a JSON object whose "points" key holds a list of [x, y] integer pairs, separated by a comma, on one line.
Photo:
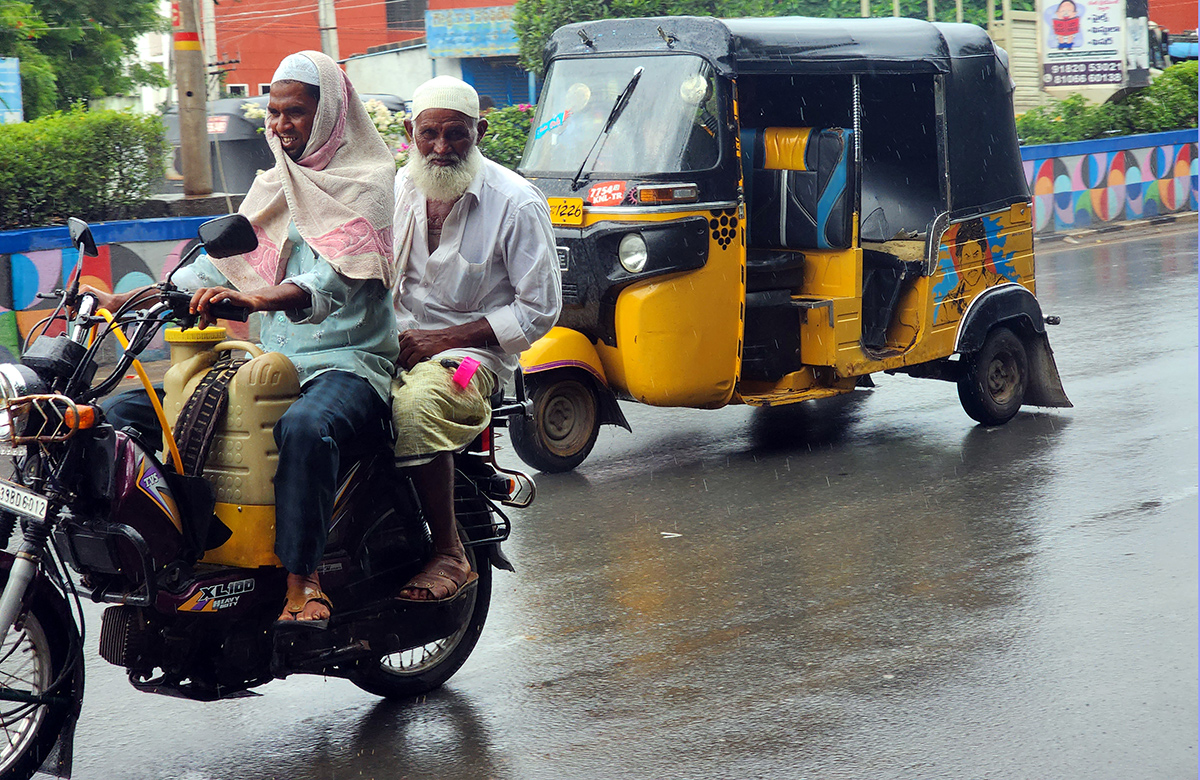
{"points": [[228, 311]]}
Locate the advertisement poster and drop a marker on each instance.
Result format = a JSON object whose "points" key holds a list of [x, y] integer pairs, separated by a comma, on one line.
{"points": [[1083, 42], [10, 91], [471, 32]]}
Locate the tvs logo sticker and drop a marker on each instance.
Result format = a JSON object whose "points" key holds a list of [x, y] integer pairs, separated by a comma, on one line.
{"points": [[154, 485], [609, 193], [223, 595]]}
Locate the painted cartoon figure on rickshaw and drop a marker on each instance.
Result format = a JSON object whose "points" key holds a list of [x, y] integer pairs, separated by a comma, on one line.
{"points": [[974, 256]]}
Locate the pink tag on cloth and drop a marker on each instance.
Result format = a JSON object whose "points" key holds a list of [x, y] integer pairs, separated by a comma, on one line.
{"points": [[466, 369]]}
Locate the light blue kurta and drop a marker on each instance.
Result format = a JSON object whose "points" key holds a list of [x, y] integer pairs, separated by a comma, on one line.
{"points": [[350, 325]]}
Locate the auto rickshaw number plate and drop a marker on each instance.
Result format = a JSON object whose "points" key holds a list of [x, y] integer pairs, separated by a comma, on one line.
{"points": [[566, 211]]}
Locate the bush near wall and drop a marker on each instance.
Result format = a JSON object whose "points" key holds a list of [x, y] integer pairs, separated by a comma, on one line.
{"points": [[508, 128], [94, 165], [1169, 103]]}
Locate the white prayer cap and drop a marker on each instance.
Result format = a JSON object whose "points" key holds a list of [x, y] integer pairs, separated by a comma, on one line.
{"points": [[446, 92], [297, 67]]}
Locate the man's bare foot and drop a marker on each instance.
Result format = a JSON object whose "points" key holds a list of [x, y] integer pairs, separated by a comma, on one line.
{"points": [[305, 601], [442, 577]]}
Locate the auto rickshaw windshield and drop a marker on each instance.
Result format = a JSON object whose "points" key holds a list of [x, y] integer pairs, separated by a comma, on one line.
{"points": [[670, 123]]}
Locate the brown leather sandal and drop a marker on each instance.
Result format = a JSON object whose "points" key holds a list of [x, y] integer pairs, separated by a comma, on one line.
{"points": [[298, 600], [442, 578]]}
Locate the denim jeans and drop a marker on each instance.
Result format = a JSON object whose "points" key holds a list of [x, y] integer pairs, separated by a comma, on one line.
{"points": [[336, 415]]}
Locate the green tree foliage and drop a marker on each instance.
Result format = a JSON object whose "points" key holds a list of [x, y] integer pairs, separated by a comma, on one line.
{"points": [[507, 130], [1169, 103], [535, 20], [20, 28], [93, 165], [73, 50]]}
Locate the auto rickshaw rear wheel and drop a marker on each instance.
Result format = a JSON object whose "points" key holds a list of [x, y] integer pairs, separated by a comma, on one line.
{"points": [[994, 379], [565, 421]]}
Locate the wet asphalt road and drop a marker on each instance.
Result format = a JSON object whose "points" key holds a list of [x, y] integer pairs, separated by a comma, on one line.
{"points": [[867, 588]]}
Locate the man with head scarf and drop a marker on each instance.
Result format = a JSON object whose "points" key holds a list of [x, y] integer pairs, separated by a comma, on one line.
{"points": [[477, 282], [321, 275]]}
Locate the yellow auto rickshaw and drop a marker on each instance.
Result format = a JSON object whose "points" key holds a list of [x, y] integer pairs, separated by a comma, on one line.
{"points": [[766, 211]]}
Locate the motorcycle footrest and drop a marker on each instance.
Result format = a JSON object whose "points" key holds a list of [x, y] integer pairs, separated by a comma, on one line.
{"points": [[392, 627]]}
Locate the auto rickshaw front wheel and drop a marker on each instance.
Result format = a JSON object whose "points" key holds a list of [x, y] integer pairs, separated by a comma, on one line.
{"points": [[994, 379], [563, 427]]}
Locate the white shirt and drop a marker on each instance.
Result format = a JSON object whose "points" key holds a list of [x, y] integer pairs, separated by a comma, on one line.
{"points": [[496, 259]]}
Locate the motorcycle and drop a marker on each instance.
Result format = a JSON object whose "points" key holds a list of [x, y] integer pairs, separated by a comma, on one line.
{"points": [[141, 534]]}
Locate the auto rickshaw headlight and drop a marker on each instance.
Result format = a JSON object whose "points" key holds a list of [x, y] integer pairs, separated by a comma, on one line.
{"points": [[632, 253]]}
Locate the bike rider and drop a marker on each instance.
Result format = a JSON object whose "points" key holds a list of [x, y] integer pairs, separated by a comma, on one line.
{"points": [[321, 273]]}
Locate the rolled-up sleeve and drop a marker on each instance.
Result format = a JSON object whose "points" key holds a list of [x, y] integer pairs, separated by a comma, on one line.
{"points": [[327, 289], [532, 265]]}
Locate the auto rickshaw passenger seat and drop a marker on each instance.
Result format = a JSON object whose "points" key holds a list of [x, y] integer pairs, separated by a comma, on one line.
{"points": [[798, 187]]}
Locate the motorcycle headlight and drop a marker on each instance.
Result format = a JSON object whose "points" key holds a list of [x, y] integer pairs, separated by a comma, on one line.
{"points": [[632, 253], [15, 380]]}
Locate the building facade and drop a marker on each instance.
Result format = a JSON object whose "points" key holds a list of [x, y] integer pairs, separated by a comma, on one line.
{"points": [[252, 36], [475, 40]]}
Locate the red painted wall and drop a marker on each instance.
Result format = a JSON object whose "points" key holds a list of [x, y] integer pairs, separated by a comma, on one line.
{"points": [[442, 5], [260, 33], [1174, 15]]}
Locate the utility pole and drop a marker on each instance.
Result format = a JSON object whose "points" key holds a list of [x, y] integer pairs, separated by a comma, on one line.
{"points": [[864, 8], [193, 100], [208, 16], [327, 21]]}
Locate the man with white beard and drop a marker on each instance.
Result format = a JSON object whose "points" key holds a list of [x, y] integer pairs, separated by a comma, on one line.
{"points": [[477, 282]]}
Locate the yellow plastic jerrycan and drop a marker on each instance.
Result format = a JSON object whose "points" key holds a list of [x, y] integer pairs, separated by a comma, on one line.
{"points": [[243, 456]]}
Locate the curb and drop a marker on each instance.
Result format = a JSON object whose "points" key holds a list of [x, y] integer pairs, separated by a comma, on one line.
{"points": [[1077, 236]]}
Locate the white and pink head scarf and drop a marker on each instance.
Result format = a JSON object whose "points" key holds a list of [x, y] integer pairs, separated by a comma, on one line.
{"points": [[340, 193]]}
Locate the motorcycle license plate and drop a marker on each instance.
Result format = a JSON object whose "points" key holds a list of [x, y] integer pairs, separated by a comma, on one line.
{"points": [[21, 501]]}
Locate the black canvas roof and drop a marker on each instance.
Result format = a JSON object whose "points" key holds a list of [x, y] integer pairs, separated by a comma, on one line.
{"points": [[788, 43], [984, 158]]}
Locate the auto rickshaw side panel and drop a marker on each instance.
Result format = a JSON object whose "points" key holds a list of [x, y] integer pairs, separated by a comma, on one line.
{"points": [[678, 337], [978, 253], [974, 255]]}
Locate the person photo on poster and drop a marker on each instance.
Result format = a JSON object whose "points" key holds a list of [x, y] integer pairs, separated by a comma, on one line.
{"points": [[1065, 25]]}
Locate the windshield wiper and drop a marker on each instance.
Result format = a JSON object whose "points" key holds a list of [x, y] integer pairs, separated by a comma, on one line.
{"points": [[618, 107]]}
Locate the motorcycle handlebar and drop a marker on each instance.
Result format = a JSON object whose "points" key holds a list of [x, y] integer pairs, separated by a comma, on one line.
{"points": [[228, 311], [180, 301]]}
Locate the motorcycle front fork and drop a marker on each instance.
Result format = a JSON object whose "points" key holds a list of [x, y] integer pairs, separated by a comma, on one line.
{"points": [[24, 568]]}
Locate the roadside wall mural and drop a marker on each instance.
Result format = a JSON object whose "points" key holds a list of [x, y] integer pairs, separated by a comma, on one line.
{"points": [[119, 267], [1087, 184]]}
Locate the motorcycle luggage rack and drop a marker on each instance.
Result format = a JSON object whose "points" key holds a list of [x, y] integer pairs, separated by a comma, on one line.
{"points": [[471, 519], [59, 417]]}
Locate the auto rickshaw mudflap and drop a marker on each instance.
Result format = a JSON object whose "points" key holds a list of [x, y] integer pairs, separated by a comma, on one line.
{"points": [[1015, 307], [563, 348]]}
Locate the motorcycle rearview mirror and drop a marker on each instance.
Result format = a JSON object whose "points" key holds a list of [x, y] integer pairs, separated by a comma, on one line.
{"points": [[229, 235], [224, 236], [81, 237]]}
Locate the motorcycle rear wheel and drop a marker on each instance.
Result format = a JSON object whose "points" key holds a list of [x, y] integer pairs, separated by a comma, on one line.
{"points": [[31, 660], [415, 672]]}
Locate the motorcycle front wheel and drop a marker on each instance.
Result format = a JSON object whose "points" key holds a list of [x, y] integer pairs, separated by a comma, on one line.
{"points": [[33, 660], [420, 670]]}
